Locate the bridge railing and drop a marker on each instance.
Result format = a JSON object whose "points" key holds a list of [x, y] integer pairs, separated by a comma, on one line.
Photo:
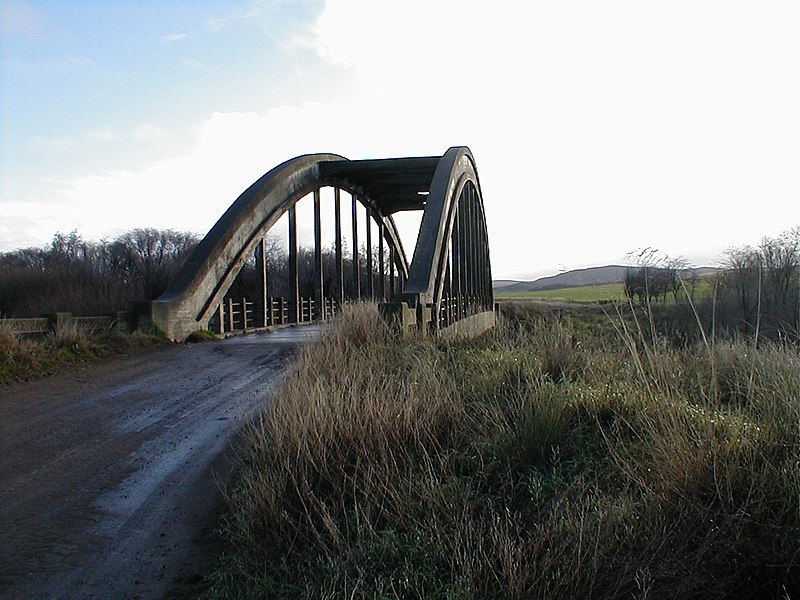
{"points": [[243, 314]]}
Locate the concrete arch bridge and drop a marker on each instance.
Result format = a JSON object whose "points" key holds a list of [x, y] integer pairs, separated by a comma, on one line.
{"points": [[246, 274]]}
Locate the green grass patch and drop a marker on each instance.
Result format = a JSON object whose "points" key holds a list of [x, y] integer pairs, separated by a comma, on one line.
{"points": [[612, 292], [588, 293], [550, 458]]}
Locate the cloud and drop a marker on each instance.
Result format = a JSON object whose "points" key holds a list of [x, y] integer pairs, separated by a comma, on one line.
{"points": [[601, 128], [17, 18], [105, 135], [49, 144], [190, 192], [596, 130], [147, 131], [174, 37], [254, 11]]}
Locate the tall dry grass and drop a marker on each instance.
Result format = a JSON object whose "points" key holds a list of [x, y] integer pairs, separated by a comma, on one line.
{"points": [[539, 461]]}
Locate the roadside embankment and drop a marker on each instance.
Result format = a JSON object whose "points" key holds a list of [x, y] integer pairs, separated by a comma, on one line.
{"points": [[550, 458]]}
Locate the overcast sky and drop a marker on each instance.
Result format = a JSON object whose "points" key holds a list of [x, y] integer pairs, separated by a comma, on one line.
{"points": [[598, 127]]}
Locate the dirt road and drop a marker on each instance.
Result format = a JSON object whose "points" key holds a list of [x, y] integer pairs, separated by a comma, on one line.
{"points": [[110, 474]]}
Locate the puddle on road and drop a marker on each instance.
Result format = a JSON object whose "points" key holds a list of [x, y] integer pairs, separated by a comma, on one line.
{"points": [[288, 335]]}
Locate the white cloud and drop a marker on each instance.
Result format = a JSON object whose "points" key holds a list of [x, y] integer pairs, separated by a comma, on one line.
{"points": [[147, 131], [254, 10], [106, 134], [174, 37], [60, 143], [17, 18], [598, 128]]}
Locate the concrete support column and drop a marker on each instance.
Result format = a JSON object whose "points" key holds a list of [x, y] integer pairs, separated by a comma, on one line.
{"points": [[470, 237], [381, 265], [391, 272], [294, 283], [262, 309], [356, 275], [319, 284], [486, 284], [370, 277], [337, 207], [462, 249], [476, 251], [447, 292]]}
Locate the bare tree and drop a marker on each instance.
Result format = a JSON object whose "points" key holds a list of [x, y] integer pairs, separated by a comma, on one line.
{"points": [[781, 256], [742, 278], [655, 276]]}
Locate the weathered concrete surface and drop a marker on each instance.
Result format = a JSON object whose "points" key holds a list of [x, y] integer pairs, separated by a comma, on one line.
{"points": [[212, 267], [446, 188], [470, 326], [109, 475], [210, 270], [456, 168]]}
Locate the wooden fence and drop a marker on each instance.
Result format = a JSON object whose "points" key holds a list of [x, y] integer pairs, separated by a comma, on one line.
{"points": [[232, 315], [118, 321], [242, 314]]}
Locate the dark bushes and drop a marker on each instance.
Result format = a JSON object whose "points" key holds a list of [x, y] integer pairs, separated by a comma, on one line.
{"points": [[89, 278]]}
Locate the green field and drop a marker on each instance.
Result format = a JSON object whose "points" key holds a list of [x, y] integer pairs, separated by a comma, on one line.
{"points": [[588, 293], [598, 293]]}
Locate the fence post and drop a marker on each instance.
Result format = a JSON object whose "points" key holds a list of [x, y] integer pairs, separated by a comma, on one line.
{"points": [[60, 320], [120, 321], [230, 315]]}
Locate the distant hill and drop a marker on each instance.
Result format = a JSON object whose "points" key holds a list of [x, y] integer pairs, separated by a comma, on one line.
{"points": [[576, 278], [499, 284]]}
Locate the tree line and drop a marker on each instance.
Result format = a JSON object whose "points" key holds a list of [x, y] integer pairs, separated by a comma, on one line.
{"points": [[75, 275], [756, 290]]}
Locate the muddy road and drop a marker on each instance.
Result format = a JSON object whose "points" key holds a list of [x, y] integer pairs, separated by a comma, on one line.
{"points": [[110, 475]]}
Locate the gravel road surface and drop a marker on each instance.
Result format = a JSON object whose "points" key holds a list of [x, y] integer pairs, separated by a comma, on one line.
{"points": [[110, 474]]}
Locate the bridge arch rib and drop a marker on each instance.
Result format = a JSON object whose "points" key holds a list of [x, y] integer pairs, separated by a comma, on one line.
{"points": [[450, 278], [448, 281]]}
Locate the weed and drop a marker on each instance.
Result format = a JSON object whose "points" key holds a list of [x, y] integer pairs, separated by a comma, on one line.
{"points": [[201, 335]]}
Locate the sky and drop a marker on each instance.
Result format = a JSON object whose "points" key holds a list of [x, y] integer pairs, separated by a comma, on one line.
{"points": [[598, 128]]}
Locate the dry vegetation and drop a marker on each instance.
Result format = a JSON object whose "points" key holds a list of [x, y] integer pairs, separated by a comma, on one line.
{"points": [[24, 357], [552, 458]]}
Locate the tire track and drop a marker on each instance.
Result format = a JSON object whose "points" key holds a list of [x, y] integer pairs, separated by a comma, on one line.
{"points": [[109, 475]]}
